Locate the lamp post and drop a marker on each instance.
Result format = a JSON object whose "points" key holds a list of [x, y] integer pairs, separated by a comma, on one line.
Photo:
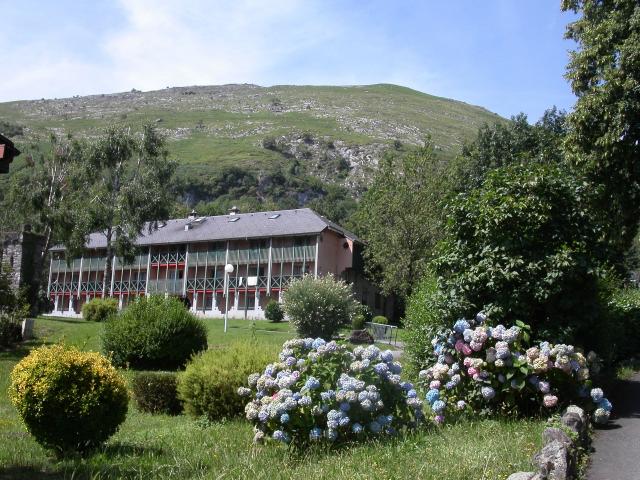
{"points": [[228, 269]]}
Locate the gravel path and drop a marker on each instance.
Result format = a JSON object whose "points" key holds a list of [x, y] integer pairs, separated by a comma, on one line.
{"points": [[616, 454]]}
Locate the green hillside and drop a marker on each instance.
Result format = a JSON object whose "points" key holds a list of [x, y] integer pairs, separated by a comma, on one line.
{"points": [[329, 135]]}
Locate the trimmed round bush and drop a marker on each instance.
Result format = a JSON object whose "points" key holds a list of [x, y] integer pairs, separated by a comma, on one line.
{"points": [[358, 322], [69, 400], [208, 386], [99, 309], [318, 307], [381, 319], [156, 392], [273, 312], [154, 333]]}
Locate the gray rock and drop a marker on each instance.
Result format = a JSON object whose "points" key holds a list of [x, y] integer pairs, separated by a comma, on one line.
{"points": [[577, 410], [551, 434], [573, 421], [522, 476], [552, 461]]}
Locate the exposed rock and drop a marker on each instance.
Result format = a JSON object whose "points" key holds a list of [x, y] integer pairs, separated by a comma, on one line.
{"points": [[573, 421], [579, 411], [552, 461], [552, 434], [522, 476]]}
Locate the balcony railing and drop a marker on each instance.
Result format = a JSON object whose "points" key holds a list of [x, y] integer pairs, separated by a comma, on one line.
{"points": [[91, 287], [88, 263], [59, 287], [306, 253], [168, 258], [130, 286], [137, 261], [205, 284], [283, 281], [166, 286]]}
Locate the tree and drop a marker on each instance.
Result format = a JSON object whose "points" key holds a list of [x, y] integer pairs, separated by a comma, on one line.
{"points": [[401, 217], [510, 143], [523, 246], [41, 191], [604, 133], [123, 188]]}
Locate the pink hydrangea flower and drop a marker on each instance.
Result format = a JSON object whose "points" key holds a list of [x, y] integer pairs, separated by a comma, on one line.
{"points": [[550, 401], [435, 385]]}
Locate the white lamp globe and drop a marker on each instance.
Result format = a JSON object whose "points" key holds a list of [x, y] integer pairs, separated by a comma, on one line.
{"points": [[228, 268]]}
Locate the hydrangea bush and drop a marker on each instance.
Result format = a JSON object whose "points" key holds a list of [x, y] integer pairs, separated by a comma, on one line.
{"points": [[321, 391], [495, 369]]}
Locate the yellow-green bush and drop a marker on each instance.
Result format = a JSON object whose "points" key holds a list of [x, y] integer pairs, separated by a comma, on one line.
{"points": [[69, 400], [209, 384], [99, 309]]}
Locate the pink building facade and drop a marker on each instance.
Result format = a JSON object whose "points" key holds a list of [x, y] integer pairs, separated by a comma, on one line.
{"points": [[187, 258]]}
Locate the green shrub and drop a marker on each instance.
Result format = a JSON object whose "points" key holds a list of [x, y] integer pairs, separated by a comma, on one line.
{"points": [[11, 326], [381, 319], [617, 333], [318, 307], [273, 312], [154, 333], [69, 400], [358, 322], [209, 384], [422, 321], [99, 309], [156, 392], [523, 246]]}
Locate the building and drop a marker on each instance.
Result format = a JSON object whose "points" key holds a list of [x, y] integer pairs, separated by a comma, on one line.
{"points": [[187, 257], [8, 152]]}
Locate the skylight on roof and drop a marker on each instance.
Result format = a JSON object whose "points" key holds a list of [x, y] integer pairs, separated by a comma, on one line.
{"points": [[274, 216], [234, 219]]}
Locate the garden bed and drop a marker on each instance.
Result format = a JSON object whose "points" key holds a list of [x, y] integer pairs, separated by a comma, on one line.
{"points": [[161, 446]]}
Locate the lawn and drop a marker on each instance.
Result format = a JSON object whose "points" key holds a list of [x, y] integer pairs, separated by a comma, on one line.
{"points": [[179, 447]]}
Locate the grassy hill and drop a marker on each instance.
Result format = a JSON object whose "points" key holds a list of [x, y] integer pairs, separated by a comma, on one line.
{"points": [[332, 134]]}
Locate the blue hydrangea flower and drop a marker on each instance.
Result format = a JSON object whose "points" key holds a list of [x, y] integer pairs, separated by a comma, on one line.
{"points": [[460, 326], [315, 434], [412, 393], [327, 396], [432, 395], [596, 394], [318, 342], [345, 406], [605, 404], [356, 428], [488, 393], [312, 383], [375, 427], [284, 418], [386, 356], [263, 415], [332, 435], [281, 436], [305, 401], [438, 406]]}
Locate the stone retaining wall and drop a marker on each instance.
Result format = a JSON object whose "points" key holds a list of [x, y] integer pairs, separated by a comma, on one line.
{"points": [[560, 455]]}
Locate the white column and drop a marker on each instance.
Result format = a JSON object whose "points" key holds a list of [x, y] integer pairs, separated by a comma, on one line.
{"points": [[315, 263], [113, 274], [269, 267], [80, 277], [147, 280], [186, 271], [49, 280]]}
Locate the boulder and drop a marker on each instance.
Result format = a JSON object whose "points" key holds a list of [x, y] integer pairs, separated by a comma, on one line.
{"points": [[361, 336], [552, 434], [522, 476], [573, 421], [552, 461]]}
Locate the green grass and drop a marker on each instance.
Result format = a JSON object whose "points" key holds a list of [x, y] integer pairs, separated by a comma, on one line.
{"points": [[163, 447]]}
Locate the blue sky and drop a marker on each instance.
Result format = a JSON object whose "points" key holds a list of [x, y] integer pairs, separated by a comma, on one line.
{"points": [[505, 55]]}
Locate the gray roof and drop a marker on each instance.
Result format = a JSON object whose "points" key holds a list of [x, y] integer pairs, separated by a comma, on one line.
{"points": [[303, 221]]}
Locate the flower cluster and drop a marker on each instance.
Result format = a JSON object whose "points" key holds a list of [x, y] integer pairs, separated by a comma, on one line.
{"points": [[490, 368], [322, 391]]}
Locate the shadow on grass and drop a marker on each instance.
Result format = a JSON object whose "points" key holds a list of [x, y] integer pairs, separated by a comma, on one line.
{"points": [[98, 465], [21, 350]]}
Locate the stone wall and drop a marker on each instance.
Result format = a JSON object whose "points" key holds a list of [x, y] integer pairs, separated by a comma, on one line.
{"points": [[19, 254], [559, 458]]}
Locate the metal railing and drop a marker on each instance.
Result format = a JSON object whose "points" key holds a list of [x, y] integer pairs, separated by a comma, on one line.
{"points": [[91, 287], [58, 287], [205, 284], [130, 286], [382, 332], [283, 281], [170, 257]]}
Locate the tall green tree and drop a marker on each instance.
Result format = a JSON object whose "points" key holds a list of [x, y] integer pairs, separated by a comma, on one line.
{"points": [[510, 143], [122, 190], [604, 134], [401, 217]]}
